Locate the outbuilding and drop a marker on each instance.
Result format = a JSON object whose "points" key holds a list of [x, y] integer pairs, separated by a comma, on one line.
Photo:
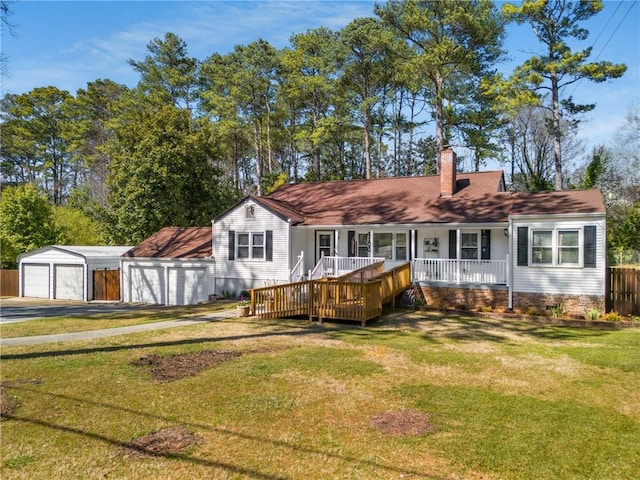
{"points": [[66, 272], [172, 267]]}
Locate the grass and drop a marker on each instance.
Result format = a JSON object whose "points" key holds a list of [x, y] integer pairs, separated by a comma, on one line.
{"points": [[80, 323], [508, 399]]}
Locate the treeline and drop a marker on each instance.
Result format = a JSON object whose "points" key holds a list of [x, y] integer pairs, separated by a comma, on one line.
{"points": [[380, 97]]}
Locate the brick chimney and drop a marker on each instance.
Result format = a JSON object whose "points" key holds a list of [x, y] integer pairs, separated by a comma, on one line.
{"points": [[447, 173]]}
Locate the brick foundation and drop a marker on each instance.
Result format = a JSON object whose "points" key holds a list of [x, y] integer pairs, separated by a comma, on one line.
{"points": [[542, 302], [465, 297], [473, 297]]}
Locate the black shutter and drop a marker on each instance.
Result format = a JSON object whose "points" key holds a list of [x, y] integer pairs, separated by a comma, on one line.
{"points": [[523, 246], [453, 247], [268, 246], [351, 243], [232, 245], [485, 245], [410, 245], [590, 246]]}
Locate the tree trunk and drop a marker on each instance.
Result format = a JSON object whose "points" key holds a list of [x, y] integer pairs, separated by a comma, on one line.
{"points": [[557, 133]]}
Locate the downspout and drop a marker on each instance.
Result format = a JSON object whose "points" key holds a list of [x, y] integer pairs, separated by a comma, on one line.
{"points": [[510, 266], [213, 257]]}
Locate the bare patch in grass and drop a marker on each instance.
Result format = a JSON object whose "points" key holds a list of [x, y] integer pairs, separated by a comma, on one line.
{"points": [[403, 423], [9, 404], [168, 441], [174, 367]]}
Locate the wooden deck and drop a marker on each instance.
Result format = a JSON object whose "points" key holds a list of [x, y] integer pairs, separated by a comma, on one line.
{"points": [[356, 296]]}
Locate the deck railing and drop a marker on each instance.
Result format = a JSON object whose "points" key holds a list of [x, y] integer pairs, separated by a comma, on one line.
{"points": [[297, 272], [460, 271], [333, 298], [394, 281], [363, 274], [337, 266]]}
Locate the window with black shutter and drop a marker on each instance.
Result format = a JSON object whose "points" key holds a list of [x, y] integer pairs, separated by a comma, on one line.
{"points": [[523, 246]]}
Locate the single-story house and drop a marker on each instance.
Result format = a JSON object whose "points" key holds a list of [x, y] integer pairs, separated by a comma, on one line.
{"points": [[172, 267], [470, 242], [65, 272]]}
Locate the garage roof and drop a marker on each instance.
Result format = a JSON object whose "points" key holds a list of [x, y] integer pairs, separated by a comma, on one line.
{"points": [[85, 251], [175, 242]]}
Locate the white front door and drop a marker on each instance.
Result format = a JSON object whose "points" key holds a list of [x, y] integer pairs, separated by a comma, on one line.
{"points": [[324, 244]]}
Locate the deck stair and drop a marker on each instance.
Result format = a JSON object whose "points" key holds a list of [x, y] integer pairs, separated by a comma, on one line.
{"points": [[356, 296]]}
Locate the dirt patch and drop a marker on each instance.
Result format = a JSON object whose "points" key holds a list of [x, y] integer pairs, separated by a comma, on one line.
{"points": [[174, 367], [168, 441], [8, 404], [403, 423]]}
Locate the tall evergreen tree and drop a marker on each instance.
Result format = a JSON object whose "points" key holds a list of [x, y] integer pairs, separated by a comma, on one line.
{"points": [[554, 23], [449, 40]]}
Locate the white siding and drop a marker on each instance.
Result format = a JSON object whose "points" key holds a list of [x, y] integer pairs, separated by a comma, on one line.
{"points": [[167, 281], [237, 275], [64, 280], [561, 279]]}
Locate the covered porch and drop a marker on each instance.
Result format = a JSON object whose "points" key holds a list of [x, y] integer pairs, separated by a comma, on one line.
{"points": [[455, 272]]}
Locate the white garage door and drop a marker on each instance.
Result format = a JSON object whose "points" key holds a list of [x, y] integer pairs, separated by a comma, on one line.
{"points": [[147, 285], [69, 282], [35, 280], [187, 286]]}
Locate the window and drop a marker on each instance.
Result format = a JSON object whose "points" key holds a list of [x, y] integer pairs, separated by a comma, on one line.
{"points": [[542, 247], [556, 247], [391, 246], [568, 247], [250, 211], [401, 246], [250, 245], [257, 245], [383, 245], [363, 245], [243, 245], [469, 246]]}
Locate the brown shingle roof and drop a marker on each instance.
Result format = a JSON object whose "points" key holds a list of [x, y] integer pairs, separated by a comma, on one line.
{"points": [[417, 200], [175, 242], [559, 203], [399, 200]]}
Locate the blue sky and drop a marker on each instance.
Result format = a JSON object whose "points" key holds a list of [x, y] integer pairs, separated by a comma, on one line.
{"points": [[69, 43]]}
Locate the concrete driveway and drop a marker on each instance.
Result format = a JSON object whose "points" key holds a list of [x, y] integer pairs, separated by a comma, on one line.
{"points": [[22, 309]]}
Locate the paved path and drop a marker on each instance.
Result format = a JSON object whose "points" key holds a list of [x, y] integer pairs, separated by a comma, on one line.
{"points": [[110, 332]]}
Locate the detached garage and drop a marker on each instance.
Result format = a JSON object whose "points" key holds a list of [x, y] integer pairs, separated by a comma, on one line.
{"points": [[172, 267], [65, 272]]}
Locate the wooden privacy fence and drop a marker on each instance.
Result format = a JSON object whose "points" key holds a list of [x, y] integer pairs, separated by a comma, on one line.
{"points": [[106, 284], [343, 298], [623, 290], [9, 283]]}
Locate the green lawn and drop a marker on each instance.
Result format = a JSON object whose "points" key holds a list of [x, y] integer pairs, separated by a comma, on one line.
{"points": [[504, 399], [97, 321]]}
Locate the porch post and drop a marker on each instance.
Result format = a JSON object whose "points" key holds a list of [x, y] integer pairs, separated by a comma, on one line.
{"points": [[335, 244], [458, 253]]}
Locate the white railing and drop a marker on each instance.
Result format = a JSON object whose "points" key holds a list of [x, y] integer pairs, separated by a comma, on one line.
{"points": [[337, 266], [459, 271], [297, 272]]}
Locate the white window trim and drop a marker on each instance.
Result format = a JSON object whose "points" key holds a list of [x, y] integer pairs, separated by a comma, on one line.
{"points": [[478, 246], [251, 245], [555, 250], [393, 245]]}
